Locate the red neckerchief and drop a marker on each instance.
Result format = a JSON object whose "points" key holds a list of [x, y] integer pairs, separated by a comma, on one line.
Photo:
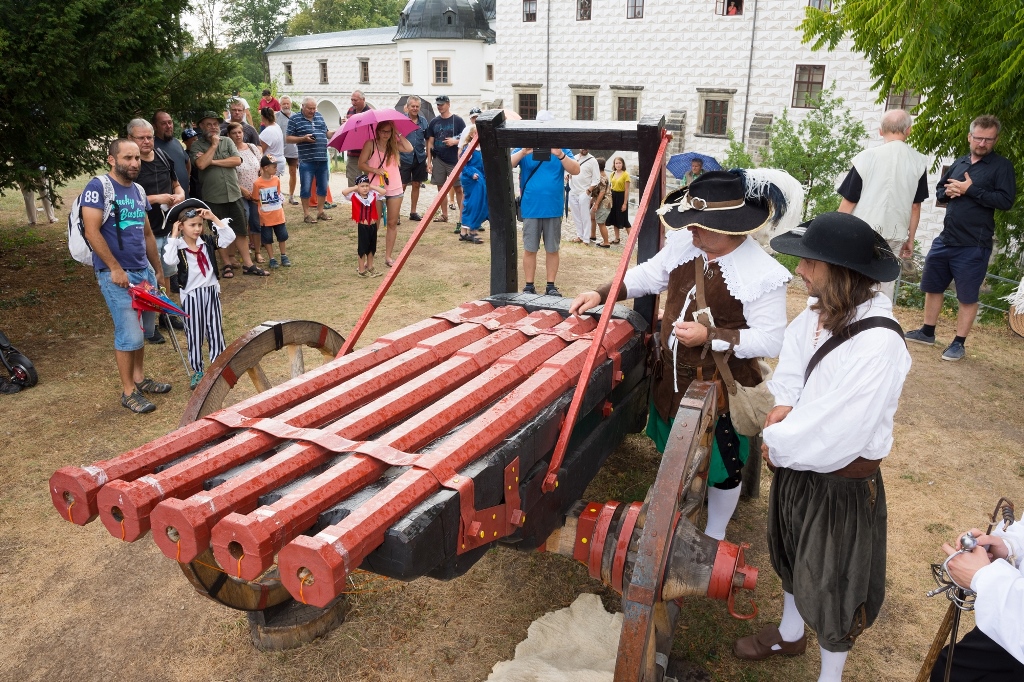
{"points": [[201, 259]]}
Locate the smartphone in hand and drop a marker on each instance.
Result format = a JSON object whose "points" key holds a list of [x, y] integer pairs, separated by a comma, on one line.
{"points": [[542, 154]]}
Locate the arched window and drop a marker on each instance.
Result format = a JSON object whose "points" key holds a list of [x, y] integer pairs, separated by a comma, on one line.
{"points": [[450, 17]]}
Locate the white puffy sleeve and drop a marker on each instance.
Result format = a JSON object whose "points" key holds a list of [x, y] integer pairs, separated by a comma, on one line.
{"points": [[999, 606], [766, 319], [225, 237], [171, 250]]}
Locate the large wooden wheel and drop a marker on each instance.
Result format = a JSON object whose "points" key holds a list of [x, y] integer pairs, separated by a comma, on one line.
{"points": [[250, 354], [648, 623]]}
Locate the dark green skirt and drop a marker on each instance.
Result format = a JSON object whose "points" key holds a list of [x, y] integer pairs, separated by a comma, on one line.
{"points": [[826, 538], [658, 431]]}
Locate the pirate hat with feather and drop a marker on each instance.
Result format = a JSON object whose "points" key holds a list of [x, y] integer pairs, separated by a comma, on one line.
{"points": [[738, 201]]}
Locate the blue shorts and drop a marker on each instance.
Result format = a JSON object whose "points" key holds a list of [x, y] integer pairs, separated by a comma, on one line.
{"points": [[128, 332], [169, 270], [269, 231], [966, 265], [314, 169], [252, 210]]}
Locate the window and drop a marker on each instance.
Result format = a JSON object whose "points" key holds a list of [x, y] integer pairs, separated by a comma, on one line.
{"points": [[823, 5], [716, 117], [323, 72], [809, 81], [528, 105], [406, 72], [529, 10], [489, 72], [364, 70], [584, 107], [441, 76], [729, 8], [582, 10], [626, 108], [908, 99], [288, 73], [634, 9], [450, 18]]}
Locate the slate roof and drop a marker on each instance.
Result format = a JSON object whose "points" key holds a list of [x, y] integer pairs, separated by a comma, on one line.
{"points": [[445, 20], [363, 36]]}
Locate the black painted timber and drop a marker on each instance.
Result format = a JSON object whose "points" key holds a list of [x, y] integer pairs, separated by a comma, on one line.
{"points": [[649, 131], [501, 203]]}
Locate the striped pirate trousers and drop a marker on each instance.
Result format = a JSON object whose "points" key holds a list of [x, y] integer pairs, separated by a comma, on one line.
{"points": [[204, 320]]}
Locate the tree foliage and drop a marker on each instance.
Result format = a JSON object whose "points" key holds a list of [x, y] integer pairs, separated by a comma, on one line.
{"points": [[964, 57], [76, 71], [816, 150], [737, 156], [321, 16], [251, 26]]}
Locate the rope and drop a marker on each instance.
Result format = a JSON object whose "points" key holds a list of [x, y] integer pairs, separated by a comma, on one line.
{"points": [[177, 557], [69, 511], [240, 565], [122, 530]]}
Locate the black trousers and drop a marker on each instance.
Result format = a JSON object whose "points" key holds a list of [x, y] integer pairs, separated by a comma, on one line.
{"points": [[367, 239], [977, 658]]}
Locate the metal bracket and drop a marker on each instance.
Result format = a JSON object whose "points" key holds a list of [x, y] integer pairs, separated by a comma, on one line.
{"points": [[493, 523]]}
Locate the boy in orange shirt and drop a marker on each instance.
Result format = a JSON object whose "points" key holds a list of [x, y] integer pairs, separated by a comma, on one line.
{"points": [[267, 190]]}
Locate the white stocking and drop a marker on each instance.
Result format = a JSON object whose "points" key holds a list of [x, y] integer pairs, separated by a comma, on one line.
{"points": [[832, 664], [721, 505], [792, 626]]}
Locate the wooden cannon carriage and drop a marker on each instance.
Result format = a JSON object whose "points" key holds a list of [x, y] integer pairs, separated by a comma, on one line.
{"points": [[412, 456]]}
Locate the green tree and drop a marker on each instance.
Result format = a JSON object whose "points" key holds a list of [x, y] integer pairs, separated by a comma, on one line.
{"points": [[737, 155], [252, 26], [964, 58], [816, 150], [76, 71], [321, 16]]}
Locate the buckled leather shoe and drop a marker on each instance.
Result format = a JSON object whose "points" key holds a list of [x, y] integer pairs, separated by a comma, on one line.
{"points": [[759, 647]]}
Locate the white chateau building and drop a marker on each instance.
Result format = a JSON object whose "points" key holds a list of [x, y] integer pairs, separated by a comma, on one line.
{"points": [[708, 71]]}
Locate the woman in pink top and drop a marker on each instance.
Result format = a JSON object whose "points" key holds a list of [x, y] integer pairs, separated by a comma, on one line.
{"points": [[379, 160]]}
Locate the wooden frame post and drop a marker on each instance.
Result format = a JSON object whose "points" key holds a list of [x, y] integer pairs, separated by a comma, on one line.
{"points": [[501, 204], [649, 137]]}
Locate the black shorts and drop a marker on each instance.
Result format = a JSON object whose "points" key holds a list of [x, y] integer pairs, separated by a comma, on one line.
{"points": [[413, 172], [367, 239]]}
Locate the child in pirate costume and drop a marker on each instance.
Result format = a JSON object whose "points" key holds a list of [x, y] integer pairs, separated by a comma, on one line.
{"points": [[193, 251], [725, 305], [366, 216], [836, 388]]}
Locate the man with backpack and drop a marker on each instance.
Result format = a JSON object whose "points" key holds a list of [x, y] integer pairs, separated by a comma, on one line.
{"points": [[114, 220], [157, 177]]}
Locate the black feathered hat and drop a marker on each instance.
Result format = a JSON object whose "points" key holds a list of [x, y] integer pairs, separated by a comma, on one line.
{"points": [[842, 239]]}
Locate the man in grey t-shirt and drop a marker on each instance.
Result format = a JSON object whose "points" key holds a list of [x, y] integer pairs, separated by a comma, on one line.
{"points": [[291, 151]]}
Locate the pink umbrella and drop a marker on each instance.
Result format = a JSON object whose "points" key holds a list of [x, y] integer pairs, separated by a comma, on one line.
{"points": [[362, 127]]}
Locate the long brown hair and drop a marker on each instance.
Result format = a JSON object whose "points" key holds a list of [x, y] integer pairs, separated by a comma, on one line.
{"points": [[840, 294], [391, 149]]}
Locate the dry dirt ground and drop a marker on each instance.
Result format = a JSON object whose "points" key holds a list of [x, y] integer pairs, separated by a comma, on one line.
{"points": [[79, 604]]}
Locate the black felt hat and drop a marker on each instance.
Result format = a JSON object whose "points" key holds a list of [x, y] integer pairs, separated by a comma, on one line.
{"points": [[172, 215], [718, 201], [842, 239]]}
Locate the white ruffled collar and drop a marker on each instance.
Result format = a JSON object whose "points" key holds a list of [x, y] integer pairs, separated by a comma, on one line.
{"points": [[749, 272]]}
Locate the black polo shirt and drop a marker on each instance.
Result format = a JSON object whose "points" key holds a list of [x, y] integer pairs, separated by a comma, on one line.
{"points": [[970, 219]]}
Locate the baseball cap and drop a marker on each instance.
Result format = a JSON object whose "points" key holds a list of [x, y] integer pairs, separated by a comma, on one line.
{"points": [[188, 133], [209, 114], [442, 98], [267, 161], [475, 111]]}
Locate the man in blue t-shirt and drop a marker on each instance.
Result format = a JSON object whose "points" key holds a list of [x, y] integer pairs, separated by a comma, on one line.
{"points": [[124, 254], [309, 132], [541, 189]]}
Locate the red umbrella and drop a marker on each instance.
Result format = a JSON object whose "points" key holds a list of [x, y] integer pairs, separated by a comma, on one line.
{"points": [[147, 299], [362, 127]]}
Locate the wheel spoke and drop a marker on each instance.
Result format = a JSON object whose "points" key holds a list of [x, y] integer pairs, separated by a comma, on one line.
{"points": [[297, 363], [259, 378]]}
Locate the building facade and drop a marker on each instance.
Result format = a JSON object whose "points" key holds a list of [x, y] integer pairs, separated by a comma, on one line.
{"points": [[713, 67]]}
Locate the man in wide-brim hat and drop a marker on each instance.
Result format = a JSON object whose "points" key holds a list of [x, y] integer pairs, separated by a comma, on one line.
{"points": [[836, 389], [709, 224]]}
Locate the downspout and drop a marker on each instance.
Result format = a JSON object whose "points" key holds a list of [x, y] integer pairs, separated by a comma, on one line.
{"points": [[547, 68], [750, 68]]}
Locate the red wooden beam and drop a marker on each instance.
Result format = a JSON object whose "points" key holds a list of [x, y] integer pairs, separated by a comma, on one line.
{"points": [[551, 480]]}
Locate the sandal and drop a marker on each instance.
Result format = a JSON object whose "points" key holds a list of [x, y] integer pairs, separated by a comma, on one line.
{"points": [[452, 207], [605, 246], [440, 219], [256, 271], [309, 219], [260, 259], [147, 385], [137, 403], [228, 271], [388, 262], [614, 241], [323, 216], [471, 238]]}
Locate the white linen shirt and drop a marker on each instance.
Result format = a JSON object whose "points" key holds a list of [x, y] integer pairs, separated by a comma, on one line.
{"points": [[999, 606], [754, 278], [225, 237], [846, 409], [589, 175]]}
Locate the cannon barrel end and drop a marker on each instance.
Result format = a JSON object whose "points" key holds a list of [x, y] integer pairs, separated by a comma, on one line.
{"points": [[124, 508], [243, 546], [314, 570], [73, 491], [180, 529]]}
